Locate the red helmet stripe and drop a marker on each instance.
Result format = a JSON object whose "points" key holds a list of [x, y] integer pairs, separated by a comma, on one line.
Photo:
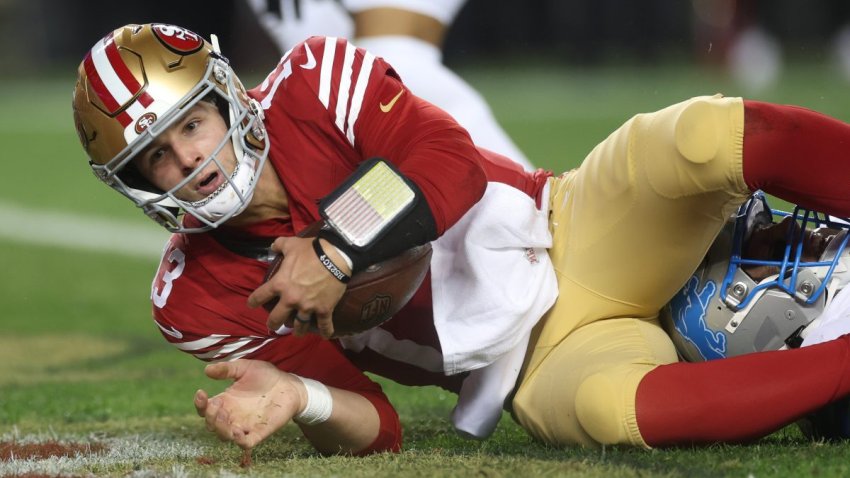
{"points": [[97, 85], [113, 82], [124, 73]]}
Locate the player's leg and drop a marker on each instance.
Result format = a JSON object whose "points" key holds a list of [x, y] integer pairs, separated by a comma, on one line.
{"points": [[740, 398], [583, 393], [420, 66], [629, 226], [617, 381], [744, 397], [634, 221], [799, 155]]}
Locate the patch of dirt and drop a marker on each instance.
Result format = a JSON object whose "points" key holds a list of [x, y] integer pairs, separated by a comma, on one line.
{"points": [[246, 461], [41, 451]]}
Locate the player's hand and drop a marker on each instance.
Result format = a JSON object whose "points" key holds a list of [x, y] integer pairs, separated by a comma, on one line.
{"points": [[260, 401], [305, 289]]}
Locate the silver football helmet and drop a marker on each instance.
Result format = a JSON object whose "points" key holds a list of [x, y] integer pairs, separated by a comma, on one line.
{"points": [[723, 311]]}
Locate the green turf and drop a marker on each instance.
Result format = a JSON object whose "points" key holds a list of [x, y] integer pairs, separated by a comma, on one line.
{"points": [[82, 358]]}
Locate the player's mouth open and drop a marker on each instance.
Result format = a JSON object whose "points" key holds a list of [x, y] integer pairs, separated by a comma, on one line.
{"points": [[210, 183]]}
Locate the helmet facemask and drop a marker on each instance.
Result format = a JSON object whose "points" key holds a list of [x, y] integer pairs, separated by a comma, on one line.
{"points": [[791, 266], [244, 119]]}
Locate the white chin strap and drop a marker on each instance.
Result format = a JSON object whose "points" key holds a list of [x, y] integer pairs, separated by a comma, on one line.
{"points": [[226, 201]]}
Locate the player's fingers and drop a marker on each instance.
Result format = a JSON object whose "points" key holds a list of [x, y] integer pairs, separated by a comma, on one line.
{"points": [[223, 426], [280, 244], [211, 413], [245, 438], [324, 322], [232, 370], [279, 317], [261, 295], [302, 322], [200, 402]]}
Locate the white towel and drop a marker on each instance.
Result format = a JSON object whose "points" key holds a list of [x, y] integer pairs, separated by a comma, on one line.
{"points": [[491, 278]]}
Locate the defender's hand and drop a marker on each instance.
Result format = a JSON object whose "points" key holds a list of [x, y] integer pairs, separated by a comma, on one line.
{"points": [[305, 289]]}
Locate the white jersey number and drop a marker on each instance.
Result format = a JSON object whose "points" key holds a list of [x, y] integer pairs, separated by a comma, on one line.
{"points": [[159, 295]]}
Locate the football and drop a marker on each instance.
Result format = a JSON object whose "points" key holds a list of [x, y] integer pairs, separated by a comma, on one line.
{"points": [[376, 293]]}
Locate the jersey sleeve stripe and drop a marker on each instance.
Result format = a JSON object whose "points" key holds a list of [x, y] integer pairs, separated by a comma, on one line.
{"points": [[200, 343], [359, 93], [344, 87], [327, 71], [243, 353], [281, 72]]}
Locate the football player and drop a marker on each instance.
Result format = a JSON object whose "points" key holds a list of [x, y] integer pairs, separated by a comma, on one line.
{"points": [[409, 35], [544, 291]]}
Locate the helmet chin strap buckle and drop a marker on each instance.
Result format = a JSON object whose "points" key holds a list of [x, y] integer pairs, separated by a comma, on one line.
{"points": [[795, 340]]}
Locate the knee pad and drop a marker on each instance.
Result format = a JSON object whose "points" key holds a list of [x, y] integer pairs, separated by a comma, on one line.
{"points": [[698, 132], [605, 407], [695, 147]]}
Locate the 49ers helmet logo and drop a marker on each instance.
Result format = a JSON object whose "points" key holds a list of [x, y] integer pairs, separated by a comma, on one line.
{"points": [[145, 121], [177, 39]]}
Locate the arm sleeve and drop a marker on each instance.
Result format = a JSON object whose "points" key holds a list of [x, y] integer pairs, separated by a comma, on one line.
{"points": [[426, 144], [371, 111]]}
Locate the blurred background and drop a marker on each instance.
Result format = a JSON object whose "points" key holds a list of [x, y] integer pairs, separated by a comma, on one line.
{"points": [[758, 36]]}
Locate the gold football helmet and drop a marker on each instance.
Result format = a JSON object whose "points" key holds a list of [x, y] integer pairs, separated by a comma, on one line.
{"points": [[135, 83]]}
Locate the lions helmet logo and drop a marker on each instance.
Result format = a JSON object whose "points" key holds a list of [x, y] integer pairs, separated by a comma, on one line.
{"points": [[688, 309]]}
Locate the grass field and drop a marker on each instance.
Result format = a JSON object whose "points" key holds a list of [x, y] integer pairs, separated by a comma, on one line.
{"points": [[83, 363]]}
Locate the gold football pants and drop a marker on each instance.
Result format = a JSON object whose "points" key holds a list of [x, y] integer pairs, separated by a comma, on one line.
{"points": [[629, 227]]}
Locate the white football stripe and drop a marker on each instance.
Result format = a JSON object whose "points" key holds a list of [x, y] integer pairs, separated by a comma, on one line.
{"points": [[344, 87], [227, 349], [265, 84], [107, 74], [200, 343], [75, 231], [359, 93], [245, 352], [327, 70]]}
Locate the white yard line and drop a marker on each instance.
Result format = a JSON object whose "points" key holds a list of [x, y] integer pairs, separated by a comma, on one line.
{"points": [[79, 232], [120, 451]]}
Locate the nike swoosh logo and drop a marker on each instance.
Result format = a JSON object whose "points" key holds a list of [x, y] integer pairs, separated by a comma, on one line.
{"points": [[387, 107], [311, 60], [173, 332]]}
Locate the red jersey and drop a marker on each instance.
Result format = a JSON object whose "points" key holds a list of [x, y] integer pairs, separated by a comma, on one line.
{"points": [[328, 106]]}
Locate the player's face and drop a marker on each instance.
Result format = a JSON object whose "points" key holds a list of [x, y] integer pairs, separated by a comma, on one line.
{"points": [[768, 243], [182, 148]]}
